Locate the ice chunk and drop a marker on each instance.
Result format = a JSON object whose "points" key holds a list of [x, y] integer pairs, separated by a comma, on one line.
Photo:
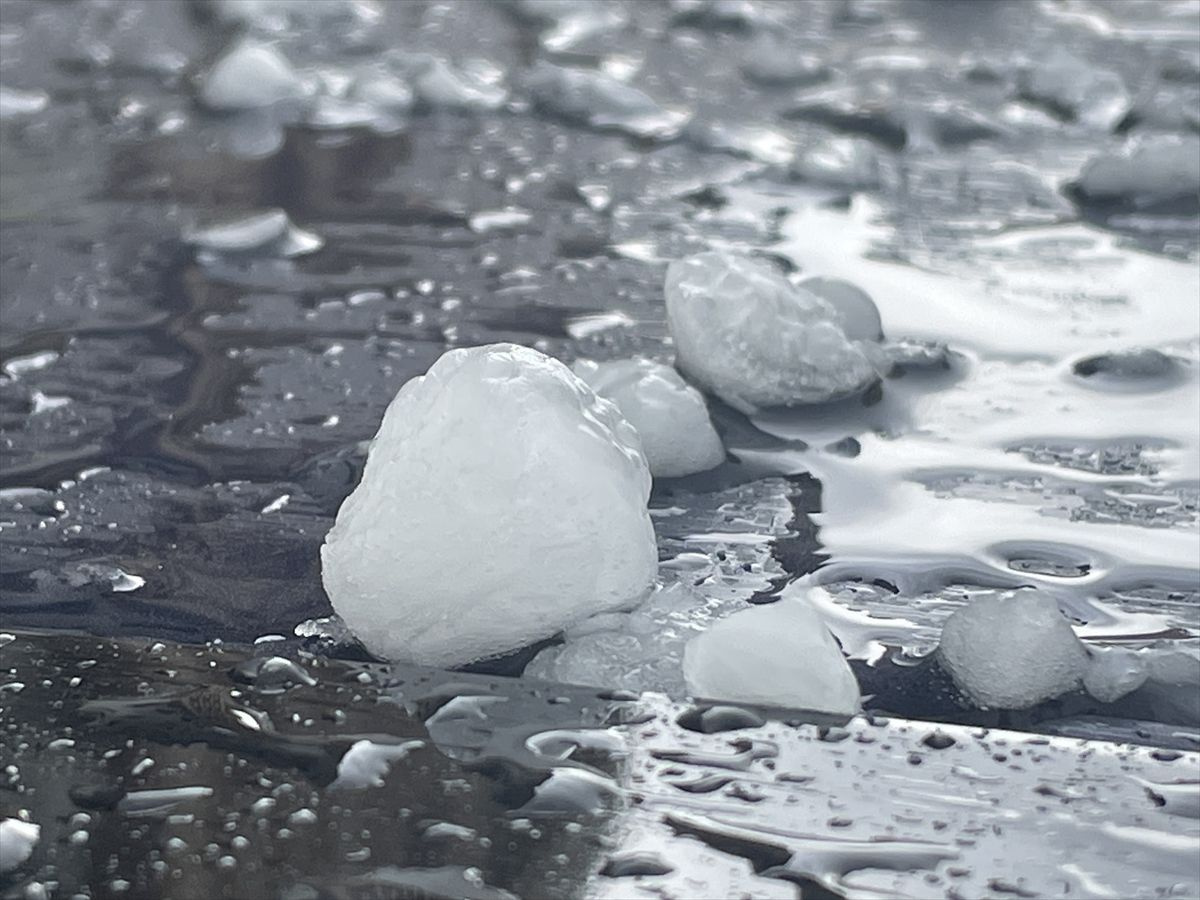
{"points": [[15, 103], [269, 233], [1012, 650], [780, 654], [751, 141], [379, 88], [847, 162], [1076, 90], [252, 75], [276, 14], [602, 101], [1145, 172], [17, 840], [1114, 672], [440, 85], [670, 415], [569, 22], [754, 339], [502, 500]]}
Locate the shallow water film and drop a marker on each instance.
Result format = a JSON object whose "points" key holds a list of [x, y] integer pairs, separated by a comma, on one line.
{"points": [[925, 624]]}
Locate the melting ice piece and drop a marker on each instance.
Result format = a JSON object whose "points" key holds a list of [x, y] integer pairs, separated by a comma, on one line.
{"points": [[1114, 672], [270, 233], [15, 103], [602, 101], [846, 162], [252, 75], [1012, 650], [17, 840], [780, 654], [754, 339], [502, 500], [569, 22], [442, 86], [275, 14], [670, 415], [1145, 172], [1077, 90]]}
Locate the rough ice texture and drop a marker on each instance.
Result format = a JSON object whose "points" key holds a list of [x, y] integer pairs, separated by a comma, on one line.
{"points": [[501, 501], [1145, 172], [752, 338], [251, 75], [17, 840], [601, 101], [1012, 650], [1114, 672], [776, 655], [670, 415]]}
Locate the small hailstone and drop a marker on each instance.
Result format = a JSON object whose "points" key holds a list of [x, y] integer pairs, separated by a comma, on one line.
{"points": [[670, 415], [1114, 672], [251, 75], [754, 339], [781, 654], [1012, 650], [602, 101]]}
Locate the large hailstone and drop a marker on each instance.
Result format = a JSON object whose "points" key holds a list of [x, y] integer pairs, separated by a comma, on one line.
{"points": [[1012, 650], [670, 415], [502, 501], [780, 654], [750, 336]]}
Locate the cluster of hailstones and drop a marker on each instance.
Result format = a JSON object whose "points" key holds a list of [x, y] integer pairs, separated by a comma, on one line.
{"points": [[537, 477]]}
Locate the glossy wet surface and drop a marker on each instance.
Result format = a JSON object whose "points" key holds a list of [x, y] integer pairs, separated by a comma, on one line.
{"points": [[179, 425]]}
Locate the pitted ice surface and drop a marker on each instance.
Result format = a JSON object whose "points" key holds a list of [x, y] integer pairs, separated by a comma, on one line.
{"points": [[754, 339], [670, 415], [502, 500]]}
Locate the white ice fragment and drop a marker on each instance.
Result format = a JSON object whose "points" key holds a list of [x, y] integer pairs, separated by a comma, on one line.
{"points": [[844, 162], [1012, 650], [1114, 672], [252, 75], [17, 840], [601, 101], [748, 335], [15, 102], [1077, 90], [273, 15], [755, 142], [569, 22], [860, 315], [670, 415], [21, 365], [270, 233], [499, 219], [502, 500], [379, 88], [1145, 172], [367, 763], [781, 654], [442, 86]]}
